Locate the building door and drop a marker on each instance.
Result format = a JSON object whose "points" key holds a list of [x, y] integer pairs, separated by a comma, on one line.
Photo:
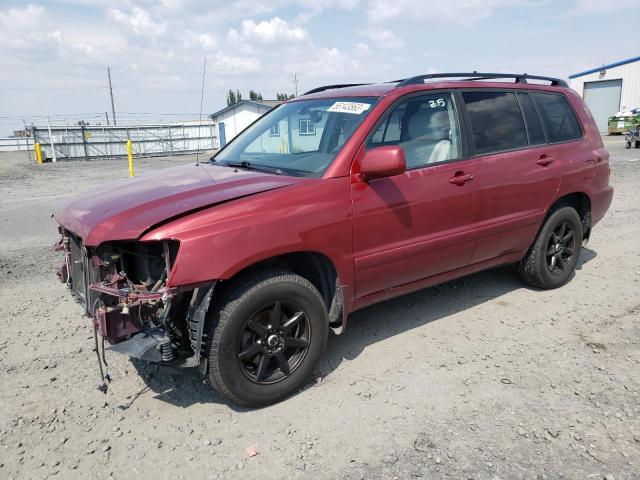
{"points": [[221, 133], [603, 99]]}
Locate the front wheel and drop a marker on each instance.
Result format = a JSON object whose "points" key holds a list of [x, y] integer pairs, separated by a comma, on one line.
{"points": [[552, 258], [269, 332]]}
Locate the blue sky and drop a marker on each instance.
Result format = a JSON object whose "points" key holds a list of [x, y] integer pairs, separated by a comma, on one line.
{"points": [[54, 54]]}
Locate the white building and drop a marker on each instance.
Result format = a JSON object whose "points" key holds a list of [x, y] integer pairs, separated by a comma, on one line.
{"points": [[233, 119], [610, 88]]}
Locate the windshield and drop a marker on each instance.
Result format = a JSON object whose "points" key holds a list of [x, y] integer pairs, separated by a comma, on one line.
{"points": [[300, 138]]}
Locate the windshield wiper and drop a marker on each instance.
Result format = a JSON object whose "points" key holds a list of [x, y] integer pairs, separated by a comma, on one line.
{"points": [[252, 166]]}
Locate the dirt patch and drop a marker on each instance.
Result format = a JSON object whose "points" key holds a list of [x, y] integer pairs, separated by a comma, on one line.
{"points": [[477, 378]]}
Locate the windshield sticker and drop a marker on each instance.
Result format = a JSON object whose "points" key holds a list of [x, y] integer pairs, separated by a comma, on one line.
{"points": [[349, 107]]}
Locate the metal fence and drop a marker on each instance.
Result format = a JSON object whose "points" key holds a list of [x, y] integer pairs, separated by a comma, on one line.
{"points": [[14, 144], [110, 141]]}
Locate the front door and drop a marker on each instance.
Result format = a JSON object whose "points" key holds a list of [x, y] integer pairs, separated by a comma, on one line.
{"points": [[418, 224]]}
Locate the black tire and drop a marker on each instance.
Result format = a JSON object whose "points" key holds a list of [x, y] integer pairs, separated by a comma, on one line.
{"points": [[538, 268], [637, 144], [244, 308], [628, 145]]}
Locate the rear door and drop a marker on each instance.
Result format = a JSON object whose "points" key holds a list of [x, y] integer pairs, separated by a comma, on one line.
{"points": [[419, 224], [517, 172]]}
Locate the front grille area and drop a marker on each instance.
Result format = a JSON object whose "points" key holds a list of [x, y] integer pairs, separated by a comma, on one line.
{"points": [[81, 279], [76, 266]]}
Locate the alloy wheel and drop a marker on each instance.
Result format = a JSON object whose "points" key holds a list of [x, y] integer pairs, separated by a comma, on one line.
{"points": [[273, 343], [560, 248]]}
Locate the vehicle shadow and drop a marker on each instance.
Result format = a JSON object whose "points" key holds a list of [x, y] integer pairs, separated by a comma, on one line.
{"points": [[186, 387], [381, 321]]}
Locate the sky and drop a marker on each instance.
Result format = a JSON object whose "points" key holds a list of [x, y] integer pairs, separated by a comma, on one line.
{"points": [[54, 54]]}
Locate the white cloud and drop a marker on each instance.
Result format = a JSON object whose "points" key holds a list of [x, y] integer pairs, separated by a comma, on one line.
{"points": [[588, 7], [362, 49], [313, 8], [270, 31], [235, 64], [138, 20], [205, 41], [439, 12], [324, 63], [385, 39]]}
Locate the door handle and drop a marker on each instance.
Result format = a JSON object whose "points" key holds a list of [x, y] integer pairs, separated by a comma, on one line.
{"points": [[461, 178], [544, 160]]}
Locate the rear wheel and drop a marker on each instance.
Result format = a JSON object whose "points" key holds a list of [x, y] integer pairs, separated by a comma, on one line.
{"points": [[552, 258], [269, 332]]}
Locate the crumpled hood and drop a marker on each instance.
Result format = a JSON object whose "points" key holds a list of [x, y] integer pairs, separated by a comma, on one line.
{"points": [[125, 209]]}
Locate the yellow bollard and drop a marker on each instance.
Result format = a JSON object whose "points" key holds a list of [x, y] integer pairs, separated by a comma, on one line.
{"points": [[130, 155], [36, 147]]}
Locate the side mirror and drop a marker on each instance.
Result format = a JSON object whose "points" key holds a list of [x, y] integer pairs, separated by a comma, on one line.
{"points": [[383, 162]]}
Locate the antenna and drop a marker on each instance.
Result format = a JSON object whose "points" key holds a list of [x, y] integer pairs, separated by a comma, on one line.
{"points": [[113, 108], [204, 71], [295, 82]]}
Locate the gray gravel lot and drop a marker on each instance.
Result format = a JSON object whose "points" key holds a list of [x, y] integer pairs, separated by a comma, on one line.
{"points": [[478, 378]]}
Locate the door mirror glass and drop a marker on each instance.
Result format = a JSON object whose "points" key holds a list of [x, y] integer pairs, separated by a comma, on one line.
{"points": [[383, 162]]}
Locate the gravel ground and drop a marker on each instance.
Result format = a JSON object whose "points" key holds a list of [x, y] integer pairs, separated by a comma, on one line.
{"points": [[477, 378]]}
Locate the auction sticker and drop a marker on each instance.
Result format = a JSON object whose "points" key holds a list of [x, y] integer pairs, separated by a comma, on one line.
{"points": [[349, 107]]}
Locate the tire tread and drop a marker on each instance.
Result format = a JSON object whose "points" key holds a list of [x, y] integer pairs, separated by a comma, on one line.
{"points": [[223, 307]]}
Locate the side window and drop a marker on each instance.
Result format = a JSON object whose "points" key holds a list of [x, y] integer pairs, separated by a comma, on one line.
{"points": [[496, 121], [562, 124], [426, 127], [390, 131], [534, 127]]}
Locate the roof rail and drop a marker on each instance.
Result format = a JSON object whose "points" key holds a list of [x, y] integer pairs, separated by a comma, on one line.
{"points": [[329, 87], [519, 78]]}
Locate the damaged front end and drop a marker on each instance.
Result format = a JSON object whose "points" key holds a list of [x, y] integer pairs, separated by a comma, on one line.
{"points": [[123, 288]]}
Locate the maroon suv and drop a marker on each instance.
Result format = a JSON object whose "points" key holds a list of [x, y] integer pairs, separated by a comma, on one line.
{"points": [[343, 197]]}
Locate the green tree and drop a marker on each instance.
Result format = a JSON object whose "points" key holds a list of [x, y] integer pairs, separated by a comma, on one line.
{"points": [[231, 98], [255, 96], [284, 96]]}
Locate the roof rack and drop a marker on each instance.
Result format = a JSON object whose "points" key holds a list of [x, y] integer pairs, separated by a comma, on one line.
{"points": [[519, 78], [329, 87]]}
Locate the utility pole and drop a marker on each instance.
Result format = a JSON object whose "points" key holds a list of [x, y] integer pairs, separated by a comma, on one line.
{"points": [[204, 72], [53, 147], [295, 82], [106, 115], [113, 108]]}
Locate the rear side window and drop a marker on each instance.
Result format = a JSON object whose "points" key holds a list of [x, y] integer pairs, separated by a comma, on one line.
{"points": [[559, 118], [496, 121], [534, 127]]}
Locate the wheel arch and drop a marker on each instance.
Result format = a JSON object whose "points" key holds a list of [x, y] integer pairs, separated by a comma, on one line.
{"points": [[581, 202], [314, 266]]}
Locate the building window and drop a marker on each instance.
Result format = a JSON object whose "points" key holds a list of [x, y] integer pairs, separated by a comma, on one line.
{"points": [[274, 131], [307, 127]]}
